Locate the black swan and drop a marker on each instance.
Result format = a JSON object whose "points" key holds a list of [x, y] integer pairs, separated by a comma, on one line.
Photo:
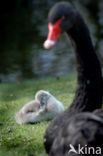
{"points": [[44, 107], [63, 17], [84, 133]]}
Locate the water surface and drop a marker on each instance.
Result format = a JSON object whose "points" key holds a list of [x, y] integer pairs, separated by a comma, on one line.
{"points": [[24, 30]]}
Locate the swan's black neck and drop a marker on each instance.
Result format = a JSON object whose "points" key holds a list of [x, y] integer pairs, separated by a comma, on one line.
{"points": [[89, 91]]}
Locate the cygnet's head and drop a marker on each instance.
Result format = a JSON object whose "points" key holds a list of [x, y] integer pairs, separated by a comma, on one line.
{"points": [[42, 96]]}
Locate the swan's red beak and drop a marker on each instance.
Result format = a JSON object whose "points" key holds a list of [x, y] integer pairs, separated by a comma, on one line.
{"points": [[54, 31]]}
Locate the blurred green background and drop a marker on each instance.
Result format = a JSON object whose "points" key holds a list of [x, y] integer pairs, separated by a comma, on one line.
{"points": [[23, 29]]}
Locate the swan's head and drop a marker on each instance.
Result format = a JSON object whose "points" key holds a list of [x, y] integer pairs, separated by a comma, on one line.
{"points": [[62, 17], [42, 96]]}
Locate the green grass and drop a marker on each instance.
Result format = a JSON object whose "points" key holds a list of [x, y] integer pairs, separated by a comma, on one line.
{"points": [[26, 140]]}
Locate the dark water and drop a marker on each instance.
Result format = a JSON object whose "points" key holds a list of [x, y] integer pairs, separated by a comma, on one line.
{"points": [[24, 30]]}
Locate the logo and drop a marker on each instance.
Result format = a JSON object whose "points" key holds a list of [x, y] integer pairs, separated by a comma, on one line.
{"points": [[72, 149], [84, 150]]}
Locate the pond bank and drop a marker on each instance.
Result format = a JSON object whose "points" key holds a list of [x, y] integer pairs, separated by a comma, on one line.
{"points": [[27, 140]]}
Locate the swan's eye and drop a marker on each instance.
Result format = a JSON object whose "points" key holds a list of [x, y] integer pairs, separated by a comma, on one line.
{"points": [[62, 18]]}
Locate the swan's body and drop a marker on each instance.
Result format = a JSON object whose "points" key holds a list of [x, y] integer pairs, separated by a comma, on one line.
{"points": [[64, 17], [84, 130], [44, 107]]}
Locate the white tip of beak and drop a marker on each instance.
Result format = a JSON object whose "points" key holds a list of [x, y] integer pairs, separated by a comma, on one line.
{"points": [[48, 44]]}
